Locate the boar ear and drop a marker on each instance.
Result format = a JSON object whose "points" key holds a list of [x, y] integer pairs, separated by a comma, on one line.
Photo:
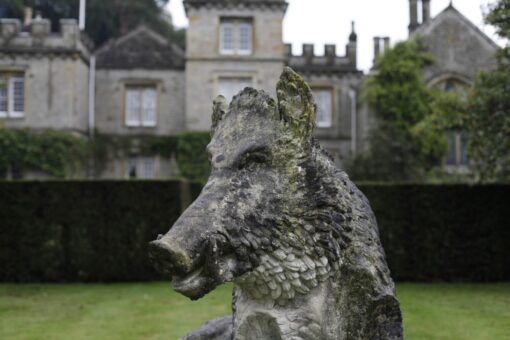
{"points": [[220, 107], [296, 104]]}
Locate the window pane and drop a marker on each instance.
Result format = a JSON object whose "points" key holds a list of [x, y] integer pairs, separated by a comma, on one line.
{"points": [[229, 87], [131, 168], [450, 156], [450, 86], [3, 94], [18, 95], [148, 168], [245, 38], [149, 107], [227, 38], [133, 107], [464, 160], [324, 99]]}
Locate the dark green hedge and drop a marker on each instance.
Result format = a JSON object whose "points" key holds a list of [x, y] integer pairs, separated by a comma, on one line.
{"points": [[85, 231], [98, 231], [444, 232]]}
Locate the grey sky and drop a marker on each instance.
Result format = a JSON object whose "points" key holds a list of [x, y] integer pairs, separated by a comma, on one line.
{"points": [[328, 21]]}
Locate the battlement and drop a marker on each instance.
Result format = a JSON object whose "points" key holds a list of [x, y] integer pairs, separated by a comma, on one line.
{"points": [[231, 4], [330, 62], [38, 38]]}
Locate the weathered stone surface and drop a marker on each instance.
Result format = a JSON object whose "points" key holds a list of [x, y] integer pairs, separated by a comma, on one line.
{"points": [[293, 233], [217, 329]]}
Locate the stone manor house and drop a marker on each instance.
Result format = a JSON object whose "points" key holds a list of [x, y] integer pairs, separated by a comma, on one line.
{"points": [[140, 86]]}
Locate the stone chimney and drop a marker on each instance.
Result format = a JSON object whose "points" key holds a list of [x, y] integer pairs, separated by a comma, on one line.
{"points": [[386, 43], [413, 11], [9, 27], [377, 48], [381, 45], [425, 10]]}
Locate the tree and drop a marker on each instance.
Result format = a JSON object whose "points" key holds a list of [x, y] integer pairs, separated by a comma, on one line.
{"points": [[105, 19], [13, 8], [401, 100], [488, 119]]}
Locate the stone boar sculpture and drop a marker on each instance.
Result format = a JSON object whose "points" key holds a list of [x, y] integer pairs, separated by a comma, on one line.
{"points": [[294, 234]]}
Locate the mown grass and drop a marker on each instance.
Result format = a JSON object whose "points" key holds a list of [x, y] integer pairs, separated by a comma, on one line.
{"points": [[154, 311]]}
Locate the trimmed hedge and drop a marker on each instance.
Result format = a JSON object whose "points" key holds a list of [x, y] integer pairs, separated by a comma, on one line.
{"points": [[85, 231], [444, 232], [99, 231]]}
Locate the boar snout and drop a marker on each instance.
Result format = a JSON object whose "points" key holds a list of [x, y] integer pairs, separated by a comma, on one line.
{"points": [[169, 259]]}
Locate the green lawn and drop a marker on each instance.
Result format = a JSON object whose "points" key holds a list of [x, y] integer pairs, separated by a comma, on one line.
{"points": [[153, 311]]}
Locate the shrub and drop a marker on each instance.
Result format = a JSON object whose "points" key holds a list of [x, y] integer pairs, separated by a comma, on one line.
{"points": [[55, 153], [192, 157], [85, 231], [99, 231], [444, 232]]}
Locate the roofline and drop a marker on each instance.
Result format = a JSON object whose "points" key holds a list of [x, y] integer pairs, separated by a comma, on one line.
{"points": [[283, 5], [451, 7], [140, 28]]}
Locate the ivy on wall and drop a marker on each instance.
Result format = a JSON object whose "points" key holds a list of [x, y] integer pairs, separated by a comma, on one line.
{"points": [[188, 149], [192, 157], [105, 148], [63, 155], [59, 154]]}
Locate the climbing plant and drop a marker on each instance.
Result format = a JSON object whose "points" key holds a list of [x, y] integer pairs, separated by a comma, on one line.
{"points": [[192, 157], [56, 153]]}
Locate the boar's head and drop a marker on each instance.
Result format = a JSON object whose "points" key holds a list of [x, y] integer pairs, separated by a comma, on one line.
{"points": [[261, 188]]}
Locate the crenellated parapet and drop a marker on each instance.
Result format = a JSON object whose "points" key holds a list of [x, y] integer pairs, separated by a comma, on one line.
{"points": [[39, 39], [329, 62], [236, 4]]}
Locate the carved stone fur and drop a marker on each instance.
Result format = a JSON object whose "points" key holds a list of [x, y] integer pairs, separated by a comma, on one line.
{"points": [[277, 218]]}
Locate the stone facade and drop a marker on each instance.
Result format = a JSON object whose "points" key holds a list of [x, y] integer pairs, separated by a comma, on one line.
{"points": [[52, 69], [139, 63], [459, 48], [145, 86], [460, 51], [206, 66]]}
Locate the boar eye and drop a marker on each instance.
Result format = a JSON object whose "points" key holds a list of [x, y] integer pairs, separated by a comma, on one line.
{"points": [[256, 156]]}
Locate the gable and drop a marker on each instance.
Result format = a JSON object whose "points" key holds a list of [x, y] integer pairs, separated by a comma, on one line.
{"points": [[458, 46], [142, 49]]}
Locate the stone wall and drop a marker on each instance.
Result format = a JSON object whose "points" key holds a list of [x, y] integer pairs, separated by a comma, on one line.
{"points": [[460, 49], [205, 65], [55, 68], [110, 101]]}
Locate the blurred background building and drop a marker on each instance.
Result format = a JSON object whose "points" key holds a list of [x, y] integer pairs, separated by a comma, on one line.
{"points": [[142, 86]]}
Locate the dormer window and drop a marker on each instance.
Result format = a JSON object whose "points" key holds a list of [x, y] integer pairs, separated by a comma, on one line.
{"points": [[236, 36]]}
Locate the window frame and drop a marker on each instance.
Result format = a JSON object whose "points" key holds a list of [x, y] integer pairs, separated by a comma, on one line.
{"points": [[140, 89], [11, 77], [223, 50], [460, 141], [140, 167], [236, 24], [331, 91]]}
